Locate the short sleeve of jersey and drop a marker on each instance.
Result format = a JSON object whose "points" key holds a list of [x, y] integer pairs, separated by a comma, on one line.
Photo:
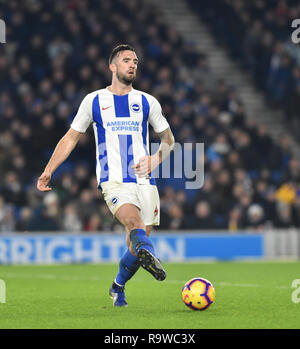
{"points": [[156, 118], [83, 118]]}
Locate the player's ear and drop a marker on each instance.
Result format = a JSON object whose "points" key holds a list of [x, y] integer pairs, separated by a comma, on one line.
{"points": [[112, 67]]}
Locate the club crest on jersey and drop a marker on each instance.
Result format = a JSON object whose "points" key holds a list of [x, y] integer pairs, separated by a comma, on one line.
{"points": [[135, 107], [114, 200]]}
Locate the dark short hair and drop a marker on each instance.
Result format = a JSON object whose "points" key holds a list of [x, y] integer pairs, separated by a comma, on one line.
{"points": [[119, 48]]}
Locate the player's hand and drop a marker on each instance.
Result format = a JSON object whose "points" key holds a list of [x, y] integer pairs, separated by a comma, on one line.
{"points": [[146, 165], [43, 181]]}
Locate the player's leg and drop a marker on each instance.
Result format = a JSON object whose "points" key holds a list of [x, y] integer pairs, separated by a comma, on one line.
{"points": [[129, 263], [117, 195], [149, 212], [122, 200], [128, 215], [151, 263], [148, 230], [138, 242], [128, 266]]}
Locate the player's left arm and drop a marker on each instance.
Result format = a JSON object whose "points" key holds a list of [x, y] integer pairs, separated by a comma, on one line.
{"points": [[167, 142], [149, 163]]}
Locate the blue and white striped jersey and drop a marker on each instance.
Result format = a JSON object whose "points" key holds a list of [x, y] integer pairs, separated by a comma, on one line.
{"points": [[121, 131]]}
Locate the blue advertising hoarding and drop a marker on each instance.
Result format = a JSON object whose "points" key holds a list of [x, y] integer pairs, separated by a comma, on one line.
{"points": [[63, 248]]}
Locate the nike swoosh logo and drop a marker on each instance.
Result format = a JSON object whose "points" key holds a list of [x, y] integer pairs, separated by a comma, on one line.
{"points": [[104, 108]]}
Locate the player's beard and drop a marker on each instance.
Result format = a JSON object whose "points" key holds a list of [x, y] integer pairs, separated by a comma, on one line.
{"points": [[126, 80]]}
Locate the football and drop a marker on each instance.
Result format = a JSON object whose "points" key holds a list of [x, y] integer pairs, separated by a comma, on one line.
{"points": [[198, 294]]}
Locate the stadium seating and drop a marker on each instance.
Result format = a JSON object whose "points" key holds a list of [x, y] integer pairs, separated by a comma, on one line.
{"points": [[251, 182], [258, 35]]}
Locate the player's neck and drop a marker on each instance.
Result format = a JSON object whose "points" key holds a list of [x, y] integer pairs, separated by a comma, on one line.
{"points": [[119, 89]]}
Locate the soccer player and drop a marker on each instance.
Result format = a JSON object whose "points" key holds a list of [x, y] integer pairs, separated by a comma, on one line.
{"points": [[120, 116]]}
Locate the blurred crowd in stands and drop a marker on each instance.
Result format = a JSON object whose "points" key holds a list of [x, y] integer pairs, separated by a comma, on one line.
{"points": [[57, 52], [259, 34]]}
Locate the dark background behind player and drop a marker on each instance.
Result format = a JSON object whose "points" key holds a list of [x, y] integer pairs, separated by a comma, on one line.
{"points": [[56, 52]]}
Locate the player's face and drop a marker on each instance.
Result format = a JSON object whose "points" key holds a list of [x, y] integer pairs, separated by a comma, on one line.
{"points": [[126, 66]]}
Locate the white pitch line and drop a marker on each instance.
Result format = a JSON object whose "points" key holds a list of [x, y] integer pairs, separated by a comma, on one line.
{"points": [[49, 277], [95, 278]]}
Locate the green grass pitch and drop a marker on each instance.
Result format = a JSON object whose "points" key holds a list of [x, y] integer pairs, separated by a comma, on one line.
{"points": [[248, 295]]}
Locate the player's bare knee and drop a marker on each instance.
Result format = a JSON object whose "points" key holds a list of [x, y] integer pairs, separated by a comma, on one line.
{"points": [[133, 222]]}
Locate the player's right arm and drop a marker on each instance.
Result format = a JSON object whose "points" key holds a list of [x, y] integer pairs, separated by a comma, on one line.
{"points": [[61, 152], [64, 147]]}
